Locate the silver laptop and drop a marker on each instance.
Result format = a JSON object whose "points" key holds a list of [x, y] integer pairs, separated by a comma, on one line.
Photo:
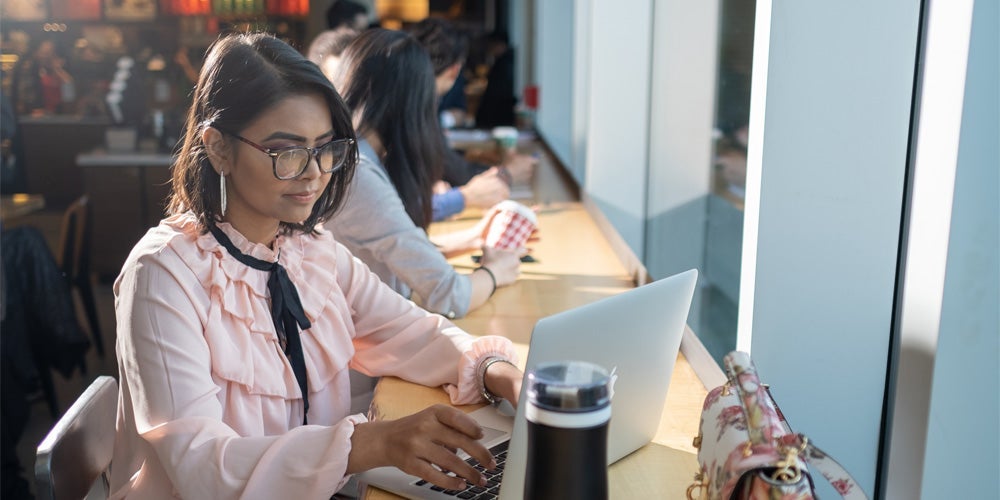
{"points": [[636, 334]]}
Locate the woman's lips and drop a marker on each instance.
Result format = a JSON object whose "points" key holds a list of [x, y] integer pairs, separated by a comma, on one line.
{"points": [[302, 197]]}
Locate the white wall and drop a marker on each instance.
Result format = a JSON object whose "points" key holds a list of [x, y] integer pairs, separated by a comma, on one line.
{"points": [[826, 167], [962, 429], [617, 133]]}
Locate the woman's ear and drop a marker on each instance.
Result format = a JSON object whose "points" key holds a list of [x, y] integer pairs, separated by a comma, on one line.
{"points": [[217, 148]]}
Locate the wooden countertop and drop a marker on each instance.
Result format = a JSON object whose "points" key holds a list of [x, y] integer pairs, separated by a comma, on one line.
{"points": [[575, 265]]}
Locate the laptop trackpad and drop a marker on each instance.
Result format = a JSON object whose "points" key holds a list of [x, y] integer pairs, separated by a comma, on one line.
{"points": [[490, 434]]}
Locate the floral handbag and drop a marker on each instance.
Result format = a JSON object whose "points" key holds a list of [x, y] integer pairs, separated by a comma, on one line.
{"points": [[747, 451]]}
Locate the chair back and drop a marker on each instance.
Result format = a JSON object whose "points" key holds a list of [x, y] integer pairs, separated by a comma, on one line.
{"points": [[74, 253], [73, 459]]}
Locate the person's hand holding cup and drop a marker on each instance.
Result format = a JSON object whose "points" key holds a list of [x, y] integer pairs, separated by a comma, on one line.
{"points": [[511, 226], [508, 226]]}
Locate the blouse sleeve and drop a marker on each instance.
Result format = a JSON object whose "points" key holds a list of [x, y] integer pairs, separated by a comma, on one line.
{"points": [[165, 372], [395, 337], [374, 218]]}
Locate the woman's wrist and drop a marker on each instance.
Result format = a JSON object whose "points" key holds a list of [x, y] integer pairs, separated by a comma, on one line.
{"points": [[492, 276], [366, 452], [483, 377]]}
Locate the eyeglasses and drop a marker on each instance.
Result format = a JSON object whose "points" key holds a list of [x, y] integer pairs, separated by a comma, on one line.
{"points": [[289, 163]]}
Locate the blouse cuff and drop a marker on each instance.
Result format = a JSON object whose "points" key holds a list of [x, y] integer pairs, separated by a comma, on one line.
{"points": [[468, 391], [343, 434]]}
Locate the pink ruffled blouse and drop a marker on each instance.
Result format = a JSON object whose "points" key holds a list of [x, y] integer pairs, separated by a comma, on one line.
{"points": [[209, 406]]}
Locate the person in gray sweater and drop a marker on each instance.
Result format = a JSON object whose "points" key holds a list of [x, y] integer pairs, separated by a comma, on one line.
{"points": [[387, 80]]}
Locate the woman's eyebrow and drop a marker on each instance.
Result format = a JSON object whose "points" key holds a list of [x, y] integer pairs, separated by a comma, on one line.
{"points": [[285, 135], [294, 137]]}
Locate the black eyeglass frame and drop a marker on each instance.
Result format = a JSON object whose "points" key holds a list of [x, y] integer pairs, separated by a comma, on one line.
{"points": [[312, 152]]}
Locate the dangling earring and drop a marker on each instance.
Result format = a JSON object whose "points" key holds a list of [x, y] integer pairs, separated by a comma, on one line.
{"points": [[222, 191]]}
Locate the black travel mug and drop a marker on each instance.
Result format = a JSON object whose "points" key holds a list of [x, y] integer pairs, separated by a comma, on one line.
{"points": [[567, 412]]}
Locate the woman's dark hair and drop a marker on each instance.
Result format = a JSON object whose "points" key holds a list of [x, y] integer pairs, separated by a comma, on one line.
{"points": [[330, 43], [444, 42], [387, 77], [243, 76]]}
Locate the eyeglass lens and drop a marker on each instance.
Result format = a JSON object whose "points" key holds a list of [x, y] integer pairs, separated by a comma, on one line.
{"points": [[293, 162]]}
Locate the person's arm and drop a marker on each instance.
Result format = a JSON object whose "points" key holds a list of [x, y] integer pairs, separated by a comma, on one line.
{"points": [[168, 379], [520, 167], [394, 337], [373, 218], [458, 171], [446, 204], [486, 189]]}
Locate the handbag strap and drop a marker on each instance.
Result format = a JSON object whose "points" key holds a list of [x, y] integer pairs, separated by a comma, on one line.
{"points": [[755, 397], [761, 420], [839, 478]]}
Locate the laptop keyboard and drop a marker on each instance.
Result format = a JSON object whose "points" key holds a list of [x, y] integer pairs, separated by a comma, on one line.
{"points": [[492, 488]]}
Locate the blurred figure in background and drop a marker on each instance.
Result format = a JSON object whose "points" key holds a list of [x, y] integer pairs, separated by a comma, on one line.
{"points": [[11, 171], [346, 13], [38, 332], [497, 105], [463, 183], [385, 218], [41, 83]]}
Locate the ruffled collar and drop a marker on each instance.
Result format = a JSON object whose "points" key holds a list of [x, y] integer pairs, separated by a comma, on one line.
{"points": [[289, 250]]}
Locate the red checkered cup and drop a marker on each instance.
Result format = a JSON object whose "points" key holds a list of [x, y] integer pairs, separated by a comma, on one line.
{"points": [[511, 226]]}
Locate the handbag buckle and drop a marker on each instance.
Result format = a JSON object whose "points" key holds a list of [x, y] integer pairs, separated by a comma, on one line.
{"points": [[787, 470]]}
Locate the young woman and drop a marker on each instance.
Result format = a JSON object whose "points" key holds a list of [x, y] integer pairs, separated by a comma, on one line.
{"points": [[387, 81], [239, 316]]}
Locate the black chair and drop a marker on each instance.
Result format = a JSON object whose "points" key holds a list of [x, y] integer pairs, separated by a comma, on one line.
{"points": [[73, 460], [75, 262]]}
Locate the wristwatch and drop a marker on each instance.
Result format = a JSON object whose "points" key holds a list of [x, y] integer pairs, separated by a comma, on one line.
{"points": [[481, 378]]}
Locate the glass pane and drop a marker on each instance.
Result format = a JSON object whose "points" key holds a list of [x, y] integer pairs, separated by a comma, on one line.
{"points": [[703, 225], [724, 230]]}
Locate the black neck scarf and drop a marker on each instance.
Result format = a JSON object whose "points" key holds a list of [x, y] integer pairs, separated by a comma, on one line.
{"points": [[286, 311]]}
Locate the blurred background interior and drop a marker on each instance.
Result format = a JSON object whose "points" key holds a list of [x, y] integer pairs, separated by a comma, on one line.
{"points": [[645, 104]]}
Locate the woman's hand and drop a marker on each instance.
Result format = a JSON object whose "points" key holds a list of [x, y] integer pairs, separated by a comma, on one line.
{"points": [[423, 445], [485, 190], [504, 264], [520, 167]]}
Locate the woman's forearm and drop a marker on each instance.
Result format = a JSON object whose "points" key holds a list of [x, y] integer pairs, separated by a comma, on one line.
{"points": [[458, 242]]}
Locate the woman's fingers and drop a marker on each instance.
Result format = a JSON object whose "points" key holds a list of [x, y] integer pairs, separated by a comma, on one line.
{"points": [[430, 440], [448, 461], [424, 470]]}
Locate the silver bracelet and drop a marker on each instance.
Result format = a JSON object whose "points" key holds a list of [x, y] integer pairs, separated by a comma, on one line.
{"points": [[481, 378]]}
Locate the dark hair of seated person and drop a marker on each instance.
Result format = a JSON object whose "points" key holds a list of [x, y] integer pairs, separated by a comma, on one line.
{"points": [[444, 42], [330, 43], [403, 116], [243, 75]]}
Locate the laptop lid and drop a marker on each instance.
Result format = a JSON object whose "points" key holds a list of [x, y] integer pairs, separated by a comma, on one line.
{"points": [[637, 335]]}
